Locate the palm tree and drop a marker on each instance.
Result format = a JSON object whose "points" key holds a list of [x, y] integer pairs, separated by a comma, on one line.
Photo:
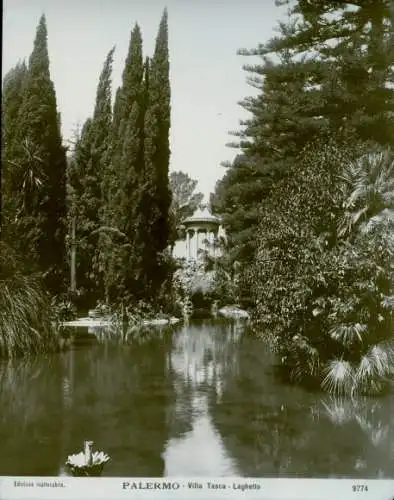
{"points": [[29, 176], [362, 315], [370, 180]]}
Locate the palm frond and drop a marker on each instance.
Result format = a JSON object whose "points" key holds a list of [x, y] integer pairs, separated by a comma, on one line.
{"points": [[365, 369], [339, 377], [371, 181], [375, 367], [348, 334], [349, 220], [382, 357], [385, 217]]}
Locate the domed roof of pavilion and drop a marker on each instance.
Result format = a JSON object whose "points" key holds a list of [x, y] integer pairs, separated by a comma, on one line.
{"points": [[202, 214]]}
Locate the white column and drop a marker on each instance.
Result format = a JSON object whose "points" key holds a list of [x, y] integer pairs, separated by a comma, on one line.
{"points": [[196, 245], [191, 244], [187, 244], [214, 237]]}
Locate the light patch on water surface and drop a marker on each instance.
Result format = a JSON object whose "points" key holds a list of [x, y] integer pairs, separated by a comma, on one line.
{"points": [[209, 457]]}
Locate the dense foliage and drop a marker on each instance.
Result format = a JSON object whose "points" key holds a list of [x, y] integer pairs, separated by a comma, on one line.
{"points": [[185, 201], [313, 182], [323, 278], [27, 319], [328, 72], [34, 166], [120, 181], [112, 194], [87, 175], [236, 198], [157, 156]]}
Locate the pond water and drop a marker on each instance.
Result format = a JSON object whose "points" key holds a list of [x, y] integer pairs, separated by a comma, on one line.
{"points": [[200, 400]]}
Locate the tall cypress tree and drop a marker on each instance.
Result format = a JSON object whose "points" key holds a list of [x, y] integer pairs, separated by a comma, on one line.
{"points": [[44, 207], [129, 92], [127, 163], [12, 98], [87, 178], [157, 152], [150, 212], [102, 147], [79, 224]]}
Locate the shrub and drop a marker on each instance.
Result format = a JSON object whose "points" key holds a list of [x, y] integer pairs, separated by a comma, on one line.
{"points": [[64, 309], [27, 319], [323, 277]]}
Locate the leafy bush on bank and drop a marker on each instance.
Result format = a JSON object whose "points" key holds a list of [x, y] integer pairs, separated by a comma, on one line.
{"points": [[323, 278], [202, 284], [27, 320]]}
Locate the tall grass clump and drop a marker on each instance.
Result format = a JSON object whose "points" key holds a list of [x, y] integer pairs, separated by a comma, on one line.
{"points": [[27, 322], [323, 278]]}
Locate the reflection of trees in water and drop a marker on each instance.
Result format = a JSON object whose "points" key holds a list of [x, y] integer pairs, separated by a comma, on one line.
{"points": [[375, 419], [200, 354], [119, 398], [274, 430], [129, 334], [130, 399], [30, 416], [115, 395]]}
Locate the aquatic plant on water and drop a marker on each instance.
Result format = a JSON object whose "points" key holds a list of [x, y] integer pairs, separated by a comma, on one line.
{"points": [[87, 462], [26, 318], [324, 273]]}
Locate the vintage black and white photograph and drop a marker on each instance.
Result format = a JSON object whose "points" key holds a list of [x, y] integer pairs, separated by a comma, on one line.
{"points": [[197, 239]]}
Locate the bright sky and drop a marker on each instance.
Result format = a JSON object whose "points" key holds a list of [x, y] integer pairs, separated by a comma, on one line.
{"points": [[207, 80]]}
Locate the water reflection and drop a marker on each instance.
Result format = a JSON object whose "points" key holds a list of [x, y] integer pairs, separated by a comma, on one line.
{"points": [[198, 360], [119, 402], [201, 400], [373, 417], [114, 395], [30, 415], [292, 432]]}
